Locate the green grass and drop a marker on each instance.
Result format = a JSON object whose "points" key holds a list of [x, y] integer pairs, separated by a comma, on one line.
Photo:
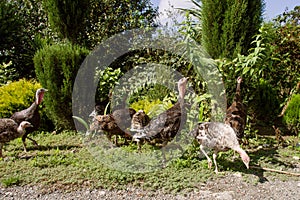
{"points": [[63, 160]]}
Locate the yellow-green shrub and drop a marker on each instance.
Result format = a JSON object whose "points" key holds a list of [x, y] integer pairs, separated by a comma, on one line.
{"points": [[151, 108]]}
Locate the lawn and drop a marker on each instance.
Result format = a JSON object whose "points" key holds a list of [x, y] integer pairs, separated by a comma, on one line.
{"points": [[65, 161]]}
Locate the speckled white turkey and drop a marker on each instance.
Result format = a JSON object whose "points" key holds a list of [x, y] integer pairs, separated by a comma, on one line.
{"points": [[219, 137], [236, 114], [10, 130], [31, 115]]}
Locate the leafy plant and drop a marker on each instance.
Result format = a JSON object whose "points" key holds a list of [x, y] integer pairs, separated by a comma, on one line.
{"points": [[21, 21], [292, 114], [6, 74], [108, 78], [151, 108], [56, 68], [7, 182]]}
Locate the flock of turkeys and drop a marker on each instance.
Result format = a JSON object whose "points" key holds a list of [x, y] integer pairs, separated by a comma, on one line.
{"points": [[136, 125], [21, 123]]}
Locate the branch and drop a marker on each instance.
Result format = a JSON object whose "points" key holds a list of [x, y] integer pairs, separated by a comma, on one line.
{"points": [[275, 170]]}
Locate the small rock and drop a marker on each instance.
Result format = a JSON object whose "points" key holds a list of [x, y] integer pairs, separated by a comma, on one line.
{"points": [[102, 193], [225, 195], [298, 184], [296, 158], [259, 147], [266, 145], [238, 174]]}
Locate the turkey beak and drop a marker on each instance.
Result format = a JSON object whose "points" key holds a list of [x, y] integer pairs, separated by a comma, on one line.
{"points": [[29, 125], [93, 114]]}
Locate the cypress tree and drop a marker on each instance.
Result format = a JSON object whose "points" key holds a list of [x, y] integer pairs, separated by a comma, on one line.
{"points": [[229, 26]]}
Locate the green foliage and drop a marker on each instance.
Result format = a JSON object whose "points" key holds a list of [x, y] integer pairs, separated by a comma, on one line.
{"points": [[11, 181], [265, 101], [6, 74], [152, 93], [108, 78], [89, 22], [12, 100], [21, 21], [228, 27], [68, 18], [273, 60], [292, 114], [152, 108], [109, 17], [56, 68]]}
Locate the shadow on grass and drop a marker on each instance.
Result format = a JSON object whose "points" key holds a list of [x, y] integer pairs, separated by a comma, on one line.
{"points": [[259, 156], [31, 150]]}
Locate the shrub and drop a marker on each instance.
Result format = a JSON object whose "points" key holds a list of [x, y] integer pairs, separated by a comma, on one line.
{"points": [[12, 100], [56, 68], [292, 114], [107, 80], [151, 108], [265, 101]]}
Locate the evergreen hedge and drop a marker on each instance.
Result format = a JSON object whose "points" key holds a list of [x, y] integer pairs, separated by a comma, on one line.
{"points": [[292, 114], [56, 67]]}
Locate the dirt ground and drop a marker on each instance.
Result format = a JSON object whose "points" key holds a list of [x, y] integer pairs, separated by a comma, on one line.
{"points": [[231, 186]]}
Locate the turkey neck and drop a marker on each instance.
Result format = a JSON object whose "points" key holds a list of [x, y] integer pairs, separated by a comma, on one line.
{"points": [[181, 90], [237, 96], [20, 130], [39, 98]]}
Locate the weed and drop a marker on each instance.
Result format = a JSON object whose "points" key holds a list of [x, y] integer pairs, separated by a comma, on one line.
{"points": [[10, 181]]}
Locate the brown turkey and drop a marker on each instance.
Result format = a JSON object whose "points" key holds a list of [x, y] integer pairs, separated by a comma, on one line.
{"points": [[10, 130], [116, 123], [139, 120], [236, 114], [219, 137], [167, 124], [31, 115]]}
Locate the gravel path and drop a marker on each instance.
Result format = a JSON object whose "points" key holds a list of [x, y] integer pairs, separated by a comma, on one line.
{"points": [[230, 187]]}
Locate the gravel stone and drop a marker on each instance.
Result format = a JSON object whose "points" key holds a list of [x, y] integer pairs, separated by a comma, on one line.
{"points": [[230, 187]]}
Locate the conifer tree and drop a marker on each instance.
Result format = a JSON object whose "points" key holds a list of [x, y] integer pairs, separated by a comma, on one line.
{"points": [[229, 26]]}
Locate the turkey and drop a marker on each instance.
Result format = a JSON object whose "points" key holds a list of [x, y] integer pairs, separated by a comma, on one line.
{"points": [[139, 120], [97, 111], [31, 115], [116, 123], [236, 114], [219, 137], [167, 124], [10, 130]]}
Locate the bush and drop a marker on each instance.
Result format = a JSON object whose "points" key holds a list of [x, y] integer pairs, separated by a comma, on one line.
{"points": [[12, 100], [107, 80], [265, 101], [151, 108], [292, 114], [56, 68]]}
